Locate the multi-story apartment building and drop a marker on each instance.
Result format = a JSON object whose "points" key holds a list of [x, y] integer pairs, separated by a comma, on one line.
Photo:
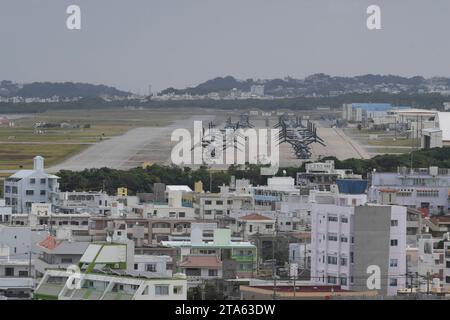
{"points": [[81, 202], [144, 231], [5, 212], [16, 277], [242, 254], [426, 189], [199, 268], [277, 188], [26, 187], [150, 265], [322, 175], [347, 240], [433, 264], [212, 206]]}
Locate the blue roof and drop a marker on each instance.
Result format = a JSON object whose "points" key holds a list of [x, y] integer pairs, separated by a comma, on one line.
{"points": [[352, 186]]}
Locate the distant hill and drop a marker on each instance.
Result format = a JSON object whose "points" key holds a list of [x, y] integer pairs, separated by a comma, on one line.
{"points": [[63, 89], [321, 84], [215, 85]]}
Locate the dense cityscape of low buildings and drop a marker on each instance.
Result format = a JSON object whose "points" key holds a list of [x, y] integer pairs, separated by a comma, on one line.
{"points": [[316, 236]]}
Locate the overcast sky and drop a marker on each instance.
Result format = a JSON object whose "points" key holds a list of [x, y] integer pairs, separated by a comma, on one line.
{"points": [[133, 43]]}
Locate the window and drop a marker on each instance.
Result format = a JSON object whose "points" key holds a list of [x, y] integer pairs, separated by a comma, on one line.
{"points": [[23, 273], [332, 237], [394, 223], [393, 263], [32, 181], [42, 192], [7, 189], [212, 273], [192, 272], [343, 262], [344, 219], [9, 272], [150, 267], [269, 226], [219, 202], [332, 219], [161, 290], [332, 260], [208, 202], [208, 212], [66, 260], [136, 266], [394, 242], [177, 290], [344, 239], [181, 214], [230, 202], [29, 192], [393, 282], [343, 281], [332, 280], [14, 189], [43, 181]]}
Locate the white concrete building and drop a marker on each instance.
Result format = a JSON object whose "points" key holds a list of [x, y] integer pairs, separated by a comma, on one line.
{"points": [[211, 206], [174, 209], [346, 240], [5, 212], [198, 268], [255, 224], [277, 188], [16, 278], [426, 189], [147, 265], [26, 187], [20, 240], [55, 285], [300, 254]]}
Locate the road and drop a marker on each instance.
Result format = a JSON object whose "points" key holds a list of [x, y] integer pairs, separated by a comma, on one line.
{"points": [[338, 144], [130, 149]]}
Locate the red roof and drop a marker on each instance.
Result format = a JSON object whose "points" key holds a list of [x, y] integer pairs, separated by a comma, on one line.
{"points": [[201, 261], [255, 216], [49, 242]]}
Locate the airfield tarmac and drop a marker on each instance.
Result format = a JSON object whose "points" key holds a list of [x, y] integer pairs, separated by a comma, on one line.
{"points": [[153, 145]]}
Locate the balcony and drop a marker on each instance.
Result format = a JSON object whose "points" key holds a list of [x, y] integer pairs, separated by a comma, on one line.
{"points": [[162, 230], [240, 258], [16, 283]]}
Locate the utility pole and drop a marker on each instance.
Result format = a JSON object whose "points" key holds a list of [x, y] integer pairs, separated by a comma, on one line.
{"points": [[210, 181], [294, 284], [428, 283], [29, 263], [274, 269]]}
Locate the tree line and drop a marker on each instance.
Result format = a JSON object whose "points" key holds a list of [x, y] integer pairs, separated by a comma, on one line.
{"points": [[141, 180]]}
